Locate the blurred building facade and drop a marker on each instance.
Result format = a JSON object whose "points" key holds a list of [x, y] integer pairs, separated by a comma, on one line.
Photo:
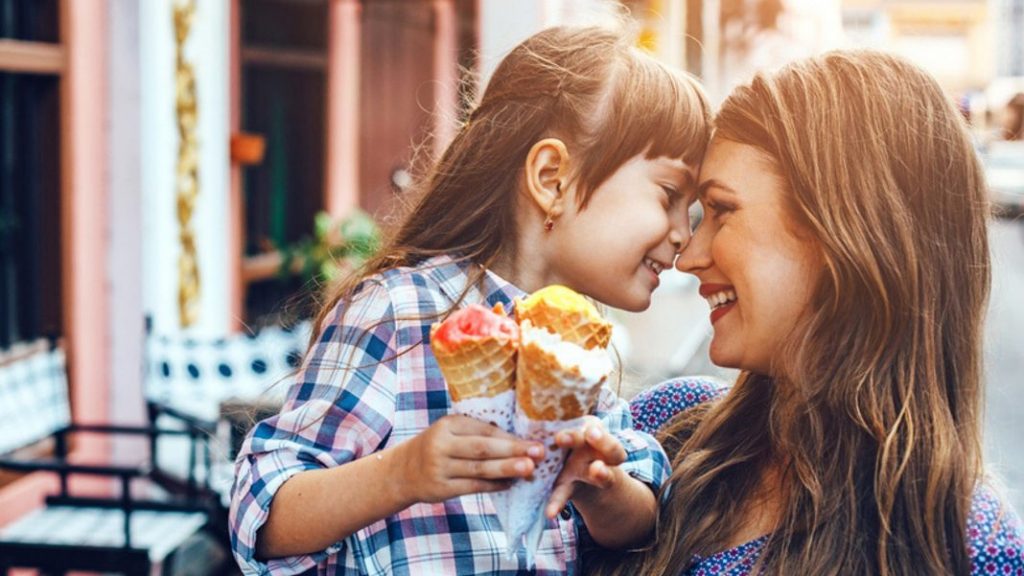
{"points": [[156, 154], [952, 39], [1009, 17], [132, 184]]}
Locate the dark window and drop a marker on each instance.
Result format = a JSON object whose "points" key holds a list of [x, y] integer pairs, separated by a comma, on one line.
{"points": [[31, 20], [30, 212], [285, 191], [284, 88], [287, 24]]}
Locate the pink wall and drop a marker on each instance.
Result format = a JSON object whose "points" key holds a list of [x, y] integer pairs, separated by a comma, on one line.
{"points": [[83, 29], [343, 60], [446, 74]]}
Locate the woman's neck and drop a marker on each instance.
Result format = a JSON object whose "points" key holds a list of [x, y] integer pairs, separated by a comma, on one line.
{"points": [[763, 508]]}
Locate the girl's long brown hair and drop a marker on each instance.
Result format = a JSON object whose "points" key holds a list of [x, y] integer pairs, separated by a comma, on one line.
{"points": [[877, 417], [587, 85]]}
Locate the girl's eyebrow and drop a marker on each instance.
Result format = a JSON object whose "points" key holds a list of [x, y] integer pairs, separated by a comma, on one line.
{"points": [[680, 172]]}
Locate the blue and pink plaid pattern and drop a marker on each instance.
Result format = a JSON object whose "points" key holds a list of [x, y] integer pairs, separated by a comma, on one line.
{"points": [[370, 383]]}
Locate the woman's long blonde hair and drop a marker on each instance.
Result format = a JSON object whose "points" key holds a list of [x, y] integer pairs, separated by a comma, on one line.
{"points": [[588, 85], [876, 423]]}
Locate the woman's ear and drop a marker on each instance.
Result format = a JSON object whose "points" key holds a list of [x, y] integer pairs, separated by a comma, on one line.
{"points": [[547, 166]]}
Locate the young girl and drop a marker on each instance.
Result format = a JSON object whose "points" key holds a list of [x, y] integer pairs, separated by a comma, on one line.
{"points": [[844, 254], [576, 168]]}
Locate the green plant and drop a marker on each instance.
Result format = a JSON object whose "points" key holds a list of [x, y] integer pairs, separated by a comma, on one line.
{"points": [[337, 247]]}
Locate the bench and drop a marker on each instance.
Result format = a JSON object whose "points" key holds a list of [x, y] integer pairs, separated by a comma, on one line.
{"points": [[153, 512]]}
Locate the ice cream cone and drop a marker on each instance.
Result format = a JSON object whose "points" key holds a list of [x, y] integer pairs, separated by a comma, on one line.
{"points": [[566, 313], [476, 353], [481, 368], [557, 383], [557, 380]]}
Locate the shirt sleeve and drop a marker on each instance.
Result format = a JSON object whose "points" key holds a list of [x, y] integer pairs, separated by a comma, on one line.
{"points": [[994, 533], [645, 459], [339, 407], [656, 406]]}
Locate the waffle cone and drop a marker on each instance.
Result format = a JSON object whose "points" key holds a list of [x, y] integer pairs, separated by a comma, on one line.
{"points": [[478, 368], [573, 327], [547, 390]]}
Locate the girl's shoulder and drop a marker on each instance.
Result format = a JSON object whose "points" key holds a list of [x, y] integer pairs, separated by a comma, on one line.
{"points": [[426, 286], [654, 407], [994, 534]]}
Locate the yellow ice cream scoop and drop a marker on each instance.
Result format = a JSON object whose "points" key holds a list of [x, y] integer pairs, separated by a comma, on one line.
{"points": [[565, 312]]}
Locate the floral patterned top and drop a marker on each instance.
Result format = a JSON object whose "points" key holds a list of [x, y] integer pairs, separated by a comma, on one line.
{"points": [[994, 529]]}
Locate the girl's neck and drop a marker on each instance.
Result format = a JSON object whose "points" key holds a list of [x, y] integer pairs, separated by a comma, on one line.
{"points": [[521, 273]]}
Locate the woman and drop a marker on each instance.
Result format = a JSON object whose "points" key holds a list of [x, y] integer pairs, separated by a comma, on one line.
{"points": [[844, 253]]}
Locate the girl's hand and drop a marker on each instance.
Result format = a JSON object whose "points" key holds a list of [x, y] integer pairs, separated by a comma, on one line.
{"points": [[589, 466], [460, 455]]}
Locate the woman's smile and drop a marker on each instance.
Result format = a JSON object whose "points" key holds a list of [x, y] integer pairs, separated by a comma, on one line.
{"points": [[721, 298]]}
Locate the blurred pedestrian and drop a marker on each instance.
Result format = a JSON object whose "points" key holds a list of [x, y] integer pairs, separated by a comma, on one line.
{"points": [[576, 168], [844, 253], [1013, 118]]}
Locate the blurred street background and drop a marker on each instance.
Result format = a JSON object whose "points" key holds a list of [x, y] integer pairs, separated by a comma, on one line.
{"points": [[180, 178]]}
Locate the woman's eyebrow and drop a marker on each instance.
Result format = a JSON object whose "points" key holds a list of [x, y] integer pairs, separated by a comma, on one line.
{"points": [[712, 183]]}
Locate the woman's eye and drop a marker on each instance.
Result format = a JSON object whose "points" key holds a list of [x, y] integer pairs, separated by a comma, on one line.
{"points": [[716, 209]]}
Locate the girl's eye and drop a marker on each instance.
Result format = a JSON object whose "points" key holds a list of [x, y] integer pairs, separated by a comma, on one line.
{"points": [[672, 194]]}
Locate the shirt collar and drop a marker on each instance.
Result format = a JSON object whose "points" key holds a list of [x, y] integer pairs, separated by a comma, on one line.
{"points": [[452, 275]]}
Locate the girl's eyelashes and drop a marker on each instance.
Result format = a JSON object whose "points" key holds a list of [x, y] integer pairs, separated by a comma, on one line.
{"points": [[672, 193]]}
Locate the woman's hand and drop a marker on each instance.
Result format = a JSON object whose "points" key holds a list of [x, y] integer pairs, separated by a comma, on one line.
{"points": [[459, 455], [588, 469]]}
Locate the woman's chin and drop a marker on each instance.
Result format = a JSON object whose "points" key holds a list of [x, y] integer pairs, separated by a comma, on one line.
{"points": [[723, 358]]}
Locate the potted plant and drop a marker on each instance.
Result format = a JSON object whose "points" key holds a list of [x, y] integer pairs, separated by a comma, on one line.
{"points": [[337, 247]]}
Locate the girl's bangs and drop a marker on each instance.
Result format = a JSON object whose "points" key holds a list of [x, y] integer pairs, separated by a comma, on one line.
{"points": [[660, 111], [651, 110]]}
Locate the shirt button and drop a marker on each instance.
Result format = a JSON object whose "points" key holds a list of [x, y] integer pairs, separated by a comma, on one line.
{"points": [[566, 514]]}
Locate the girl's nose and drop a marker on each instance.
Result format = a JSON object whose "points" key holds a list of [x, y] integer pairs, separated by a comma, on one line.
{"points": [[678, 238]]}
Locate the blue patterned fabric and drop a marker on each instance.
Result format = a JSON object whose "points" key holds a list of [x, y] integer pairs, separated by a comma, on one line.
{"points": [[994, 530]]}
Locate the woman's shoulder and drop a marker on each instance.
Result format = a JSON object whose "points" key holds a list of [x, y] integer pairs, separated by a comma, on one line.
{"points": [[654, 407], [994, 534]]}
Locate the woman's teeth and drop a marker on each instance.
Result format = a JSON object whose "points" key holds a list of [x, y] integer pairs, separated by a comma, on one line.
{"points": [[657, 268], [721, 298]]}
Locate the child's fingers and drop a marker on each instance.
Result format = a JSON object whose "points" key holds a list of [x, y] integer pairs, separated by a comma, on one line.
{"points": [[461, 486], [460, 425], [477, 448], [608, 447], [559, 498], [505, 468], [575, 438], [599, 475]]}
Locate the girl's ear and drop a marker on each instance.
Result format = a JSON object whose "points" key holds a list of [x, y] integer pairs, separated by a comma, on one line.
{"points": [[547, 166]]}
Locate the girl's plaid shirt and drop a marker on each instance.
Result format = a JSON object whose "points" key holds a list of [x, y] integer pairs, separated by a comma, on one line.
{"points": [[390, 391]]}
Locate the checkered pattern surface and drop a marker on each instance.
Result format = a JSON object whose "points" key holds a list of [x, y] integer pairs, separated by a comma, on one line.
{"points": [[372, 382], [33, 399], [157, 532], [196, 375]]}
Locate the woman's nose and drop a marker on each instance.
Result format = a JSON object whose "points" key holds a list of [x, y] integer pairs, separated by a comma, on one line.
{"points": [[695, 254]]}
